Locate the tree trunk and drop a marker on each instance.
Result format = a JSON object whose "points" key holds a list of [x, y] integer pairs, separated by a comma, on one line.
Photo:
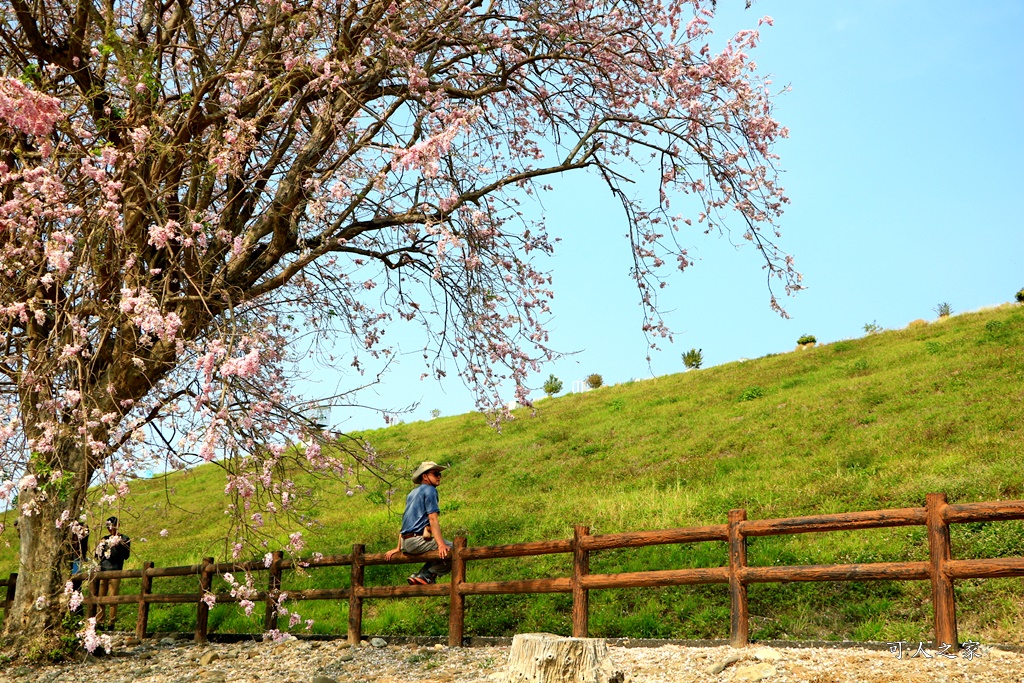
{"points": [[63, 473], [44, 566], [42, 570], [547, 658]]}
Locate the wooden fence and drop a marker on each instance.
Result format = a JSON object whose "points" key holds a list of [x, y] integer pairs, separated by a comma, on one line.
{"points": [[940, 569]]}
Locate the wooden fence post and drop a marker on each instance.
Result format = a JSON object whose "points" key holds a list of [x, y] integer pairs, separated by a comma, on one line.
{"points": [[273, 590], [457, 601], [202, 609], [943, 601], [355, 601], [145, 588], [580, 596], [94, 592], [738, 611]]}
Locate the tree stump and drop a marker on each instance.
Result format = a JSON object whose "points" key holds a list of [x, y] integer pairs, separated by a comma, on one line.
{"points": [[547, 658]]}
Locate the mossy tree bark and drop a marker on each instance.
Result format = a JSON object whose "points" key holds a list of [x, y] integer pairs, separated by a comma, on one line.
{"points": [[35, 619]]}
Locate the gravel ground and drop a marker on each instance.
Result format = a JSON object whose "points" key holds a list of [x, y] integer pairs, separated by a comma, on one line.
{"points": [[301, 661]]}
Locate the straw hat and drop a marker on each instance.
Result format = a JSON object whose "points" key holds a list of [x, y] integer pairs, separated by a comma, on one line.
{"points": [[426, 466]]}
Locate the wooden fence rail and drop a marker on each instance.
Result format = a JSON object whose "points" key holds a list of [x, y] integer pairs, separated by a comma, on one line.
{"points": [[940, 569]]}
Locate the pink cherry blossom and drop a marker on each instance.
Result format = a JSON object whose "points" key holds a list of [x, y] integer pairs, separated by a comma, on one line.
{"points": [[90, 640], [25, 110]]}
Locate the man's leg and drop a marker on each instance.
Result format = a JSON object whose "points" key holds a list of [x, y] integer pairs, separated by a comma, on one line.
{"points": [[439, 567], [417, 545], [113, 588], [101, 610]]}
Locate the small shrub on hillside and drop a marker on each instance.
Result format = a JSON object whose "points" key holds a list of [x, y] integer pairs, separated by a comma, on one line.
{"points": [[751, 393], [435, 413], [996, 331], [859, 367], [943, 310], [932, 347], [693, 359], [872, 327], [1020, 296], [594, 380], [552, 386], [807, 339]]}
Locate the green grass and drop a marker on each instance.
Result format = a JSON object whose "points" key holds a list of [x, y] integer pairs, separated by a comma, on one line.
{"points": [[861, 424]]}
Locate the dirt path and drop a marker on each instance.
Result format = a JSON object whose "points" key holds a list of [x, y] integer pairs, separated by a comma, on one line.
{"points": [[298, 661]]}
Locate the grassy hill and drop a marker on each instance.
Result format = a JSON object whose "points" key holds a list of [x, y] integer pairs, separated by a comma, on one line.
{"points": [[862, 424]]}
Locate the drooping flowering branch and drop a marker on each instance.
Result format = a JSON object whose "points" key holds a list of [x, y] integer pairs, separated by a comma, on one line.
{"points": [[190, 188]]}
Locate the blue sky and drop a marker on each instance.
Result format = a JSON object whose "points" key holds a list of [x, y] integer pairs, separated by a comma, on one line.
{"points": [[904, 170]]}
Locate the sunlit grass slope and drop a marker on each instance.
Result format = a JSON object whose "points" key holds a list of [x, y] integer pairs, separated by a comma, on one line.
{"points": [[863, 424]]}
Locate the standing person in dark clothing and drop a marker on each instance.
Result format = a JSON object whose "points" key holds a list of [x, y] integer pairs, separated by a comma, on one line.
{"points": [[421, 525], [112, 551]]}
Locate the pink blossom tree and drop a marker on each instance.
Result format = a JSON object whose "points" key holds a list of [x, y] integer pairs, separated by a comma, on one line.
{"points": [[191, 188]]}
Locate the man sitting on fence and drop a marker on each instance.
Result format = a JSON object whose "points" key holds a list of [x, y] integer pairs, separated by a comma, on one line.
{"points": [[421, 526], [112, 551]]}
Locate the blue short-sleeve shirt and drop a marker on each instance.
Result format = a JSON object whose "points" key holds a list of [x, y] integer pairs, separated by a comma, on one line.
{"points": [[421, 502]]}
